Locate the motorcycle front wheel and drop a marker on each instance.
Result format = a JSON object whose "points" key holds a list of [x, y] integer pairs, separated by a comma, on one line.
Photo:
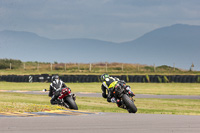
{"points": [[129, 104], [70, 102]]}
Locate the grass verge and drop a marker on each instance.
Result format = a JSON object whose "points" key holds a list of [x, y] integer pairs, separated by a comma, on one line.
{"points": [[137, 88], [17, 102]]}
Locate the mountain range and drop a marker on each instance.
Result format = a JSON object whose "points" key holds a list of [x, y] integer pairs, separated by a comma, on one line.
{"points": [[177, 44]]}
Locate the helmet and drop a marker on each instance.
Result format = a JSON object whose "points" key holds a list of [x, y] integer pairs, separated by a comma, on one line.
{"points": [[55, 77], [103, 76]]}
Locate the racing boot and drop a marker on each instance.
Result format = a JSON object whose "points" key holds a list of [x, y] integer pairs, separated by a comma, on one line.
{"points": [[113, 100], [53, 100], [109, 99]]}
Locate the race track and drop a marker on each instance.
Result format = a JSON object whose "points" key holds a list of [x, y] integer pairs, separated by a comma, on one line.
{"points": [[83, 122], [102, 123], [85, 94]]}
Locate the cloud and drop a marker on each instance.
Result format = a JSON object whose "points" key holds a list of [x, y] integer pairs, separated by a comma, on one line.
{"points": [[112, 20]]}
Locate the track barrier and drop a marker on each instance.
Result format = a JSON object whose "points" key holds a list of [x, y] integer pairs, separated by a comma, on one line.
{"points": [[96, 78]]}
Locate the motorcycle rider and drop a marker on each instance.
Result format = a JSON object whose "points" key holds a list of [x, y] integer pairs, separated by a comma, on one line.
{"points": [[109, 83], [55, 88]]}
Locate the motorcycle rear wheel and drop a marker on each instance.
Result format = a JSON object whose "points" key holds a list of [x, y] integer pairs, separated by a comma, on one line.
{"points": [[129, 104], [71, 103]]}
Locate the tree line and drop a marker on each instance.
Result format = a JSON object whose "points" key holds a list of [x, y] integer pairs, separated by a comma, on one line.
{"points": [[10, 63]]}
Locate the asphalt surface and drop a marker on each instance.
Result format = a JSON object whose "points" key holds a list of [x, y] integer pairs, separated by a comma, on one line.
{"points": [[102, 123]]}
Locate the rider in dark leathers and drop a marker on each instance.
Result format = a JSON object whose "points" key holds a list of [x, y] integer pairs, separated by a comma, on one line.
{"points": [[55, 89], [109, 83]]}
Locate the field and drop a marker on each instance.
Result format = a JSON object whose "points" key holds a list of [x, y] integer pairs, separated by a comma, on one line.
{"points": [[96, 72], [11, 102], [17, 67], [137, 88]]}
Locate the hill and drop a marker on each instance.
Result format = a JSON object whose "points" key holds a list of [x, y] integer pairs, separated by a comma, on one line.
{"points": [[177, 44], [31, 47]]}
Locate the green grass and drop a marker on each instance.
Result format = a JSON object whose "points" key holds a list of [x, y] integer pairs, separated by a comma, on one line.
{"points": [[17, 102], [137, 88], [11, 102], [169, 106], [23, 86], [167, 88], [145, 106]]}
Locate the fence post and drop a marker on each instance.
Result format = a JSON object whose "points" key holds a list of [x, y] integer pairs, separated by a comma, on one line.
{"points": [[51, 66], [10, 66], [24, 66], [65, 66], [122, 67], [78, 66], [90, 67], [38, 66], [154, 67]]}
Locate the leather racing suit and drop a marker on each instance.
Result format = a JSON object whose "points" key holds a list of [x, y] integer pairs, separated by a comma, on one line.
{"points": [[55, 89]]}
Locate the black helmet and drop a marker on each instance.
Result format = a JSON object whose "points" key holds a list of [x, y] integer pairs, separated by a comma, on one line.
{"points": [[103, 76], [55, 77]]}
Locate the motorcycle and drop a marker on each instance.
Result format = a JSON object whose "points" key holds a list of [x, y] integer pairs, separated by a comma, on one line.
{"points": [[67, 99], [124, 98]]}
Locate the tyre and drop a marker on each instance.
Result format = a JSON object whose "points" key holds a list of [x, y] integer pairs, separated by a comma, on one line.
{"points": [[123, 77], [71, 103], [129, 104], [139, 79], [130, 77]]}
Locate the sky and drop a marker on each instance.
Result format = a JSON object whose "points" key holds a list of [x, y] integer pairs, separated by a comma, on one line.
{"points": [[108, 20]]}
